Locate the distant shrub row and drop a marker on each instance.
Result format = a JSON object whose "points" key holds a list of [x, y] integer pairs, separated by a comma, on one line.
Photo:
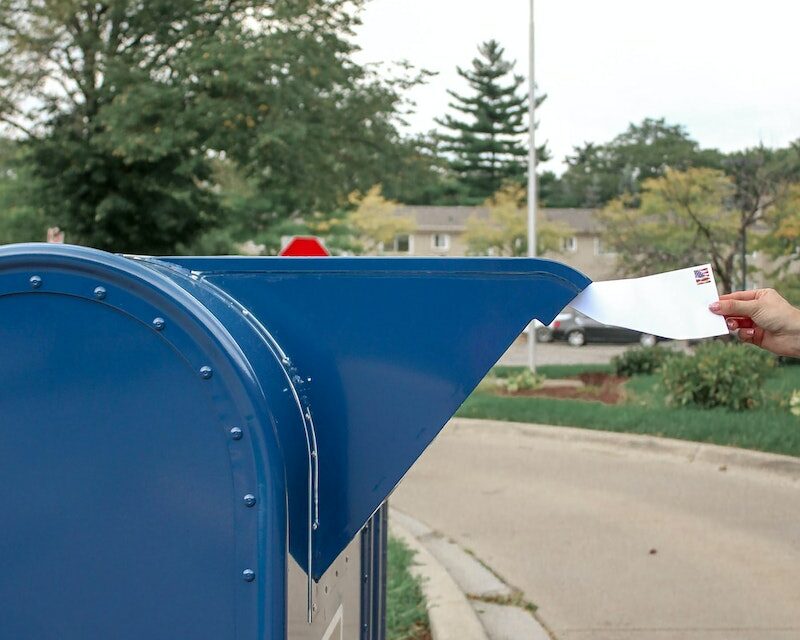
{"points": [[717, 374]]}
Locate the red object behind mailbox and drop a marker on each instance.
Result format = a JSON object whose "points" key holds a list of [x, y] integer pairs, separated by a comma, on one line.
{"points": [[304, 246]]}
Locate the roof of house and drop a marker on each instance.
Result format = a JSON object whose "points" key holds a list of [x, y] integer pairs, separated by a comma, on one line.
{"points": [[581, 220], [443, 218], [436, 218]]}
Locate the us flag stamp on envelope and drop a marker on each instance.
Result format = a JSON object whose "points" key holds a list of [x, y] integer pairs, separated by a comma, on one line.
{"points": [[702, 276]]}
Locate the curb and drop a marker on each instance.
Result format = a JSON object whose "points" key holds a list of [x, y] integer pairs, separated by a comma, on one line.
{"points": [[450, 613], [725, 458]]}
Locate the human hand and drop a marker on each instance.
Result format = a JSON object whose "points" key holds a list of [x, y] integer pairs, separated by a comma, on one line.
{"points": [[775, 323]]}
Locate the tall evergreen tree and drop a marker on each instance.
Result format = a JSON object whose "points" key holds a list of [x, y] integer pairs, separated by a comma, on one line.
{"points": [[488, 145]]}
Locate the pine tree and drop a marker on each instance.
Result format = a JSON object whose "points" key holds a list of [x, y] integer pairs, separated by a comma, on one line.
{"points": [[488, 146]]}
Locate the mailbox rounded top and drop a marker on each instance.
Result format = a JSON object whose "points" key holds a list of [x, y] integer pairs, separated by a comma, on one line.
{"points": [[134, 424]]}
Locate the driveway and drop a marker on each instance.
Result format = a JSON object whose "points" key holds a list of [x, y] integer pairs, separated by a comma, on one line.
{"points": [[617, 543]]}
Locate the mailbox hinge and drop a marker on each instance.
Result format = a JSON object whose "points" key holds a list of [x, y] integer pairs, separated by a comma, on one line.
{"points": [[297, 385]]}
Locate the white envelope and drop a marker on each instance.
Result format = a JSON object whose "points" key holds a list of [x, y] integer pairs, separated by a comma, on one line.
{"points": [[671, 305]]}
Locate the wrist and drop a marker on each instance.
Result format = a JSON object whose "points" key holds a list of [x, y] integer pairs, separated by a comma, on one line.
{"points": [[793, 330]]}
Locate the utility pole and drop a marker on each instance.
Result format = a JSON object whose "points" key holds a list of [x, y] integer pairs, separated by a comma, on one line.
{"points": [[531, 179], [744, 258]]}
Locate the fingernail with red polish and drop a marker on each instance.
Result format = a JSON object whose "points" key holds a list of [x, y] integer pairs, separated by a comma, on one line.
{"points": [[714, 306], [747, 333], [732, 324]]}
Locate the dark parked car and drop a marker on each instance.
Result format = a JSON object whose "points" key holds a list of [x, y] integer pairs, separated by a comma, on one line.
{"points": [[544, 332], [578, 329]]}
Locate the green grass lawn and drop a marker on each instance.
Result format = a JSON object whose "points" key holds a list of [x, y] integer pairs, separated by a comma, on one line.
{"points": [[769, 428], [406, 615]]}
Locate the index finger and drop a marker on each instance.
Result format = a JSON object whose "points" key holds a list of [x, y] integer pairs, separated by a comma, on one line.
{"points": [[740, 295], [733, 307]]}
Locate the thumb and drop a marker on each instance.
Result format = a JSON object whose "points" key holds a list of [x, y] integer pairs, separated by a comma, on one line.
{"points": [[744, 308]]}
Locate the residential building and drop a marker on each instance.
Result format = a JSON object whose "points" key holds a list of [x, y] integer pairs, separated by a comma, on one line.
{"points": [[440, 232]]}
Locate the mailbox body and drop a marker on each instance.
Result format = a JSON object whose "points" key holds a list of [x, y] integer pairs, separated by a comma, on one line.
{"points": [[200, 447]]}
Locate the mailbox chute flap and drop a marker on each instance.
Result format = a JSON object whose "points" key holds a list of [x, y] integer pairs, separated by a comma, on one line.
{"points": [[387, 350]]}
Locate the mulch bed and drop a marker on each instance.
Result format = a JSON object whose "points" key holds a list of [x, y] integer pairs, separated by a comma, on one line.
{"points": [[599, 387]]}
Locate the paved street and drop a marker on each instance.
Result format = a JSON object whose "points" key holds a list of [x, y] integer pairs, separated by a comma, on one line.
{"points": [[562, 353], [614, 543]]}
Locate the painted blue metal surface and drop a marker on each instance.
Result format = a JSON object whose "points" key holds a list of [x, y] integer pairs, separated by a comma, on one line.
{"points": [[166, 421], [392, 347], [120, 483]]}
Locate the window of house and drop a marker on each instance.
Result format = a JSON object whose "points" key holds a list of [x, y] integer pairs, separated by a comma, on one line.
{"points": [[402, 243], [570, 243], [602, 249], [440, 241]]}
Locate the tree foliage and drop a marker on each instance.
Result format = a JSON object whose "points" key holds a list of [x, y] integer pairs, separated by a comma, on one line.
{"points": [[486, 141], [767, 197], [699, 215], [375, 221], [422, 174], [784, 218], [124, 106], [504, 231], [681, 219], [597, 173], [20, 219]]}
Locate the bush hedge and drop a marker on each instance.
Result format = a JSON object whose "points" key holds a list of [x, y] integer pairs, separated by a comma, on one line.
{"points": [[719, 374], [640, 360]]}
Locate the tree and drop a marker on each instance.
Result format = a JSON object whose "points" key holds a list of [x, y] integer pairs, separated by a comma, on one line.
{"points": [[92, 89], [125, 105], [590, 180], [20, 220], [487, 145], [766, 194], [504, 232], [375, 221], [421, 174], [690, 217], [597, 173], [784, 218], [121, 204]]}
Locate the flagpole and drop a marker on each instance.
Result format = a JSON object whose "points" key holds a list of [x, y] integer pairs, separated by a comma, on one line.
{"points": [[531, 178]]}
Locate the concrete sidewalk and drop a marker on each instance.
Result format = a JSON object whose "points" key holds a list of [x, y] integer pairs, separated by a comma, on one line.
{"points": [[465, 599], [621, 540]]}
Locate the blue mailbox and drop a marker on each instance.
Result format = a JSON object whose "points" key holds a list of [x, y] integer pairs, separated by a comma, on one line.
{"points": [[200, 448]]}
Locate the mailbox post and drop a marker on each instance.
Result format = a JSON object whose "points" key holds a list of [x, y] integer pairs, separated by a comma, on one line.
{"points": [[200, 447]]}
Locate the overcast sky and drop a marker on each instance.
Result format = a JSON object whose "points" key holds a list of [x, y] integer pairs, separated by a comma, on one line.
{"points": [[726, 69]]}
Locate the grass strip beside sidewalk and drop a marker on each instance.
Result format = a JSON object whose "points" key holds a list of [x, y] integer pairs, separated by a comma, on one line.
{"points": [[406, 614], [770, 428]]}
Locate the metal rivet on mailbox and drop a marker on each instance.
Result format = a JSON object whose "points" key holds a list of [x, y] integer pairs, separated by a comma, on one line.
{"points": [[100, 293], [158, 323], [36, 282], [249, 575], [249, 499], [205, 372], [236, 433]]}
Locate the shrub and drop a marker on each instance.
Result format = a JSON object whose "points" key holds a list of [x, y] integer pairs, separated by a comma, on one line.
{"points": [[523, 381], [640, 360], [719, 374]]}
